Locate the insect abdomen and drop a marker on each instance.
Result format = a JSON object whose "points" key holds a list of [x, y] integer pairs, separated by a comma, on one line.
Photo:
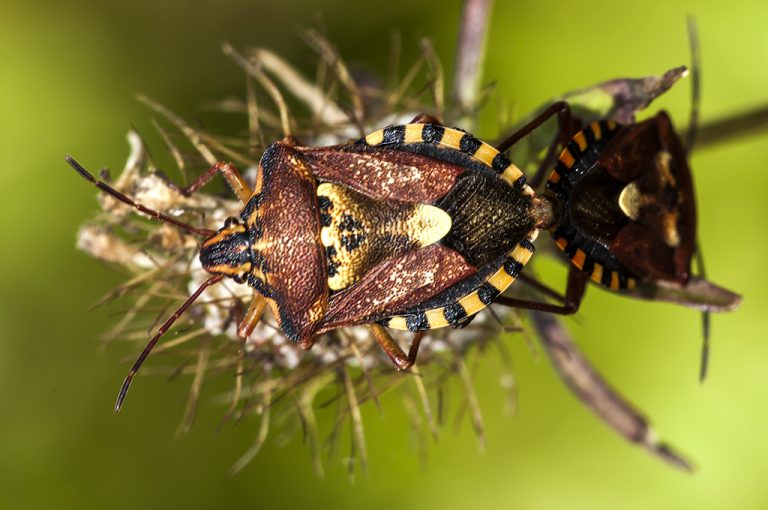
{"points": [[464, 300]]}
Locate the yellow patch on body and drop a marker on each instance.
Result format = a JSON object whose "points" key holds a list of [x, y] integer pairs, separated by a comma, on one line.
{"points": [[580, 140], [436, 318], [597, 131], [614, 280], [597, 273], [511, 173], [452, 138], [375, 138], [397, 322], [364, 231], [413, 133], [579, 258], [485, 153], [501, 280], [566, 158]]}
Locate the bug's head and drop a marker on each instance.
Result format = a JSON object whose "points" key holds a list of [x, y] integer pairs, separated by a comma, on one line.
{"points": [[228, 252]]}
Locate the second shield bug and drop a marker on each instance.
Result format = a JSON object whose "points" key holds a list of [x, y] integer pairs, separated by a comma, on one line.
{"points": [[626, 214]]}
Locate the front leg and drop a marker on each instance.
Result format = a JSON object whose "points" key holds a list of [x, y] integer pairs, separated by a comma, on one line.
{"points": [[231, 175], [252, 316], [574, 292], [401, 360], [566, 128]]}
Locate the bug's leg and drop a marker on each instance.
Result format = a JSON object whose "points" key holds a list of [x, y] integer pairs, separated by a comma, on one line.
{"points": [[566, 127], [401, 360], [230, 174], [252, 316], [693, 124], [705, 320], [423, 118], [574, 292], [560, 108], [415, 344]]}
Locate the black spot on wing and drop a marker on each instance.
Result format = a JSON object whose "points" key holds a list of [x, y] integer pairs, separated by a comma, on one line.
{"points": [[500, 163], [351, 242], [333, 265]]}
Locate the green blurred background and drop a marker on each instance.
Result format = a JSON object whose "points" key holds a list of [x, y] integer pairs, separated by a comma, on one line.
{"points": [[70, 72]]}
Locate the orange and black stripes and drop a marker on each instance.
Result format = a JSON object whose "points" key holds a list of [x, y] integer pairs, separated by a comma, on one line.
{"points": [[482, 295], [586, 252], [570, 158], [472, 297], [615, 278], [454, 139]]}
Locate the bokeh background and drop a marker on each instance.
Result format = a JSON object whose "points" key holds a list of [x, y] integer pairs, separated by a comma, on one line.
{"points": [[70, 71]]}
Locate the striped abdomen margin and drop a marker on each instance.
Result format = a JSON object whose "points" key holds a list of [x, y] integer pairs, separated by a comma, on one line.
{"points": [[452, 139], [483, 295], [578, 155]]}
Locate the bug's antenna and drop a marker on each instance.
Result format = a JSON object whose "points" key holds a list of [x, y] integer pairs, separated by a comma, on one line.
{"points": [[693, 121], [693, 124], [106, 188], [160, 332]]}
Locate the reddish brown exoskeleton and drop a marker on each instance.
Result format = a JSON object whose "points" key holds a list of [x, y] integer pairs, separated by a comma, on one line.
{"points": [[625, 209], [413, 227]]}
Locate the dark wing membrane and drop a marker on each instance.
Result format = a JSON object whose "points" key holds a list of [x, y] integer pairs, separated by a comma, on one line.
{"points": [[488, 217]]}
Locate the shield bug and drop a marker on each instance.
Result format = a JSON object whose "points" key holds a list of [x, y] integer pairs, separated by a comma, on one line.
{"points": [[413, 227], [626, 214]]}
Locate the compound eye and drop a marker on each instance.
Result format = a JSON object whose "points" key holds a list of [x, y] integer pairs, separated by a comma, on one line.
{"points": [[230, 221], [240, 278]]}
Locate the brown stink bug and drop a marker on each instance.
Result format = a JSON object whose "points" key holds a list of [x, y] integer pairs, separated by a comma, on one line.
{"points": [[413, 227]]}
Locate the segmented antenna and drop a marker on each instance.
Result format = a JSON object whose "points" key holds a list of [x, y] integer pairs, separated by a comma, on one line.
{"points": [[693, 124], [106, 188], [160, 332]]}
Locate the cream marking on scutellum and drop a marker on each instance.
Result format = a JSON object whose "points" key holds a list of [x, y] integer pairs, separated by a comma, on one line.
{"points": [[496, 283]]}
